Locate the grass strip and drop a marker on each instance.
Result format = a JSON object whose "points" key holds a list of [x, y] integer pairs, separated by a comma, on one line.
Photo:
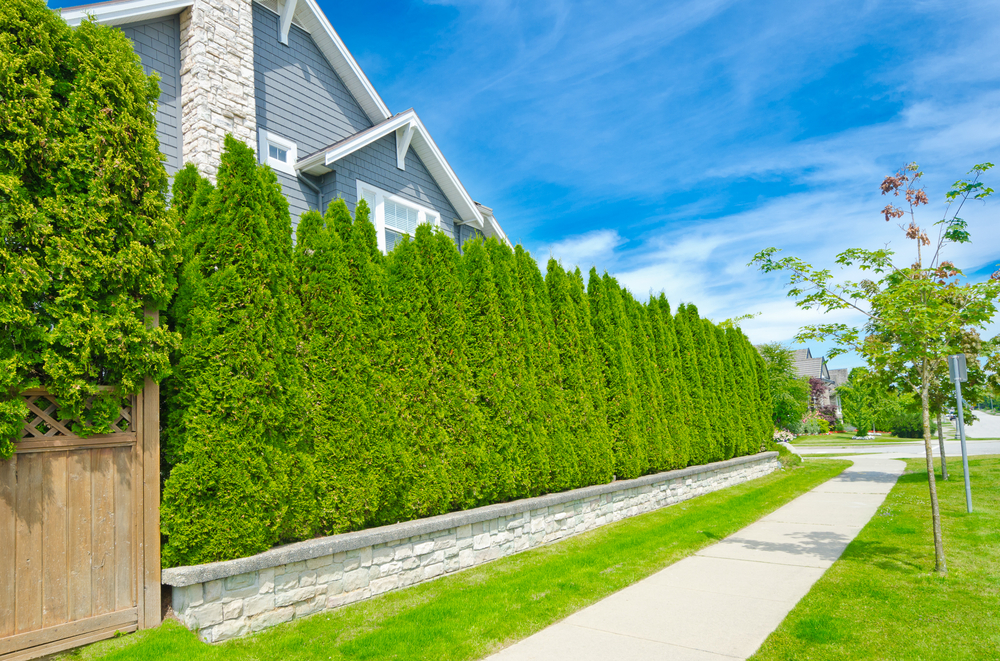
{"points": [[473, 613], [881, 599]]}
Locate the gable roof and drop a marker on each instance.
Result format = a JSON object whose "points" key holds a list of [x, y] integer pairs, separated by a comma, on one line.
{"points": [[806, 365], [410, 133], [305, 12]]}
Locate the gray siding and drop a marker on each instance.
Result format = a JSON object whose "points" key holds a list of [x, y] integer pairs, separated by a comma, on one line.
{"points": [[157, 43], [300, 98], [376, 165]]}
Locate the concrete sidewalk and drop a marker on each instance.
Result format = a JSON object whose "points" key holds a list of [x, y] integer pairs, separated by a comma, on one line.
{"points": [[722, 602]]}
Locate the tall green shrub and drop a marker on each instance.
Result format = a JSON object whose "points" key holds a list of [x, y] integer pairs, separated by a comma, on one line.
{"points": [[86, 241], [611, 331], [231, 492], [692, 364], [676, 399], [660, 448]]}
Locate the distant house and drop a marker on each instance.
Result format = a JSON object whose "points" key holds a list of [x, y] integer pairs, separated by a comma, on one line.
{"points": [[814, 367], [275, 74]]}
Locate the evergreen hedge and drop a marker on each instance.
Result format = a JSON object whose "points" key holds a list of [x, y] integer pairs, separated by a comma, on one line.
{"points": [[86, 241], [329, 387]]}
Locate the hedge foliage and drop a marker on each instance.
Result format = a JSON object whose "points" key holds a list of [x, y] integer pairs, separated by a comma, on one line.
{"points": [[328, 387], [86, 241]]}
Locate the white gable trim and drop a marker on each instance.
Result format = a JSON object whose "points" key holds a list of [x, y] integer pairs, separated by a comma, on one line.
{"points": [[127, 11], [306, 12], [424, 146]]}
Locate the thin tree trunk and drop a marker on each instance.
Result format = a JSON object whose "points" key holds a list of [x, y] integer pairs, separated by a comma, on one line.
{"points": [[944, 461], [940, 565]]}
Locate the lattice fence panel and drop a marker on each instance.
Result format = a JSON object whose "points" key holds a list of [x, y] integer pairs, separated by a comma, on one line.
{"points": [[43, 420]]}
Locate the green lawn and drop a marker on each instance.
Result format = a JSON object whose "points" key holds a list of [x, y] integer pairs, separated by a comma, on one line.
{"points": [[845, 439], [478, 611], [881, 600], [838, 454]]}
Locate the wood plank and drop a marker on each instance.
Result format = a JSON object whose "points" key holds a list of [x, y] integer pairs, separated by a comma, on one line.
{"points": [[55, 596], [67, 630], [60, 443], [68, 643], [137, 495], [49, 420], [151, 500], [102, 573], [80, 513], [124, 560], [28, 546], [8, 477], [35, 392]]}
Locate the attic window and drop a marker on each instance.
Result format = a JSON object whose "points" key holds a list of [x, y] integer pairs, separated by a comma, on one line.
{"points": [[278, 152], [394, 216]]}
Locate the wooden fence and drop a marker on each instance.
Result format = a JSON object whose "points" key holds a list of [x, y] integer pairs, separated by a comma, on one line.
{"points": [[79, 530]]}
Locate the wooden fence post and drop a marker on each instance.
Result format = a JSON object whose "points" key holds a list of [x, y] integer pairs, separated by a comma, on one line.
{"points": [[151, 494]]}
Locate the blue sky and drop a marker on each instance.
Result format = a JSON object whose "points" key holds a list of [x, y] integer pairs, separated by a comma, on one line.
{"points": [[668, 142]]}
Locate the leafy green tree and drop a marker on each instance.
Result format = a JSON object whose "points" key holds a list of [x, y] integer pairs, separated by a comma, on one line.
{"points": [[86, 241], [583, 379], [676, 397], [756, 428], [915, 315], [611, 332], [660, 450], [699, 423], [867, 402], [231, 492], [789, 392]]}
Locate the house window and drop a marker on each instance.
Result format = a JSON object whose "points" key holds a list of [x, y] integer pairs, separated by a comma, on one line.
{"points": [[278, 152], [394, 217]]}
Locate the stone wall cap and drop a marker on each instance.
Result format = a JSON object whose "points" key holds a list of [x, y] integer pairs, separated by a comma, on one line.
{"points": [[351, 541]]}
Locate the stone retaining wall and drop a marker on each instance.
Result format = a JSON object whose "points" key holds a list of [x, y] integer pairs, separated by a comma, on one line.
{"points": [[223, 600]]}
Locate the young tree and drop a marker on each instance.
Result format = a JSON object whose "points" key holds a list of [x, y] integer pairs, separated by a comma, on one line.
{"points": [[868, 404], [230, 494], [915, 315], [789, 392]]}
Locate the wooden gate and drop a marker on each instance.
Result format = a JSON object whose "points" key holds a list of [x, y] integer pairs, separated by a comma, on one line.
{"points": [[79, 530]]}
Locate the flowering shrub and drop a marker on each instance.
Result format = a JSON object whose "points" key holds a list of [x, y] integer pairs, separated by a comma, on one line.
{"points": [[783, 436]]}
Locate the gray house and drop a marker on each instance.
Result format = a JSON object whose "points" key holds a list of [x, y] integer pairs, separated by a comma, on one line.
{"points": [[276, 75], [810, 367]]}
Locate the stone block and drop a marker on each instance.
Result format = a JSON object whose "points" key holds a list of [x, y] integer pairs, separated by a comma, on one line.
{"points": [[464, 531], [422, 548], [335, 587], [240, 581], [232, 610], [481, 541], [433, 571], [257, 605], [466, 558], [380, 556], [286, 582], [411, 563], [378, 586], [366, 556], [345, 598], [271, 618], [333, 572], [431, 558], [213, 591], [206, 615], [229, 629], [314, 605], [452, 564], [404, 551], [355, 580], [294, 596], [322, 561], [266, 580], [307, 579]]}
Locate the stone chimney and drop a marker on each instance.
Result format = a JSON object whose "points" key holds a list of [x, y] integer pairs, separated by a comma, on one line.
{"points": [[217, 80]]}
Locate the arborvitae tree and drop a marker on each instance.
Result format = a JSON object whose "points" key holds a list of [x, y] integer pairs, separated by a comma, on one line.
{"points": [[338, 219], [659, 444], [549, 376], [339, 425], [766, 406], [732, 398], [86, 241], [746, 384], [691, 361], [611, 330], [517, 355], [583, 380], [676, 398], [502, 462], [231, 495]]}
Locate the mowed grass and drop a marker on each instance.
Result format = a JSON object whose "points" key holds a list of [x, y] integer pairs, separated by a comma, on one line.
{"points": [[881, 600], [846, 440], [471, 614]]}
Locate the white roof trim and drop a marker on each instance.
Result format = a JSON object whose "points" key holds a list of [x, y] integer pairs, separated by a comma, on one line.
{"points": [[306, 12], [316, 24], [125, 11], [425, 147]]}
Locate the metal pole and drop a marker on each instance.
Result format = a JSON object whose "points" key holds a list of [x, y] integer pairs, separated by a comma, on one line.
{"points": [[965, 453]]}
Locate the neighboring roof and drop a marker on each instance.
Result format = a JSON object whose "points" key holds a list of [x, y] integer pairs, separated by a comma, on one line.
{"points": [[806, 365], [306, 13], [408, 127], [839, 376]]}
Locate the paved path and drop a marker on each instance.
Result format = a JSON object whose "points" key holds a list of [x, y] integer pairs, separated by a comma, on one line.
{"points": [[722, 602], [952, 449]]}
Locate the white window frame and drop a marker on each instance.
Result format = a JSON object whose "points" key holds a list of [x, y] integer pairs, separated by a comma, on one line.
{"points": [[266, 140], [424, 214]]}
